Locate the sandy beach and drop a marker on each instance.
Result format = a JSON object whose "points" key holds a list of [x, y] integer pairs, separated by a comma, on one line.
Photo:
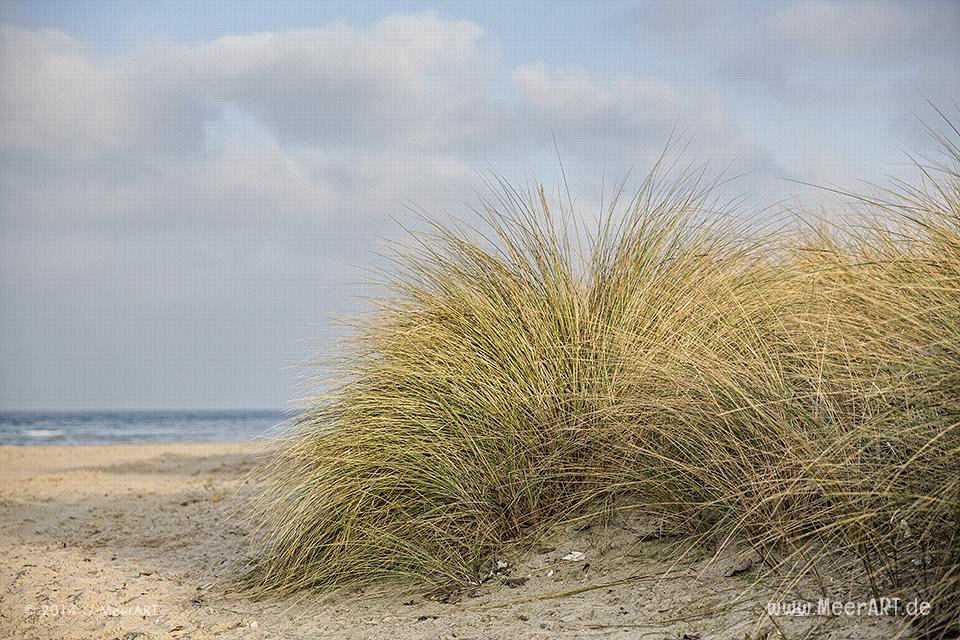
{"points": [[144, 541]]}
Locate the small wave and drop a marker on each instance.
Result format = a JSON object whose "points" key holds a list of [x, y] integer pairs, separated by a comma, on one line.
{"points": [[42, 433]]}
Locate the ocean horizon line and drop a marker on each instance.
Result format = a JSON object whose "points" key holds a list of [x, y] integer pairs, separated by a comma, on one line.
{"points": [[129, 426]]}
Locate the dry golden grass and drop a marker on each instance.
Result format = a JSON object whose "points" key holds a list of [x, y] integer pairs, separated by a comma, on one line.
{"points": [[797, 390]]}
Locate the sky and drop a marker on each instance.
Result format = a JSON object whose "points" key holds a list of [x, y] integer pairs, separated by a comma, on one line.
{"points": [[193, 195]]}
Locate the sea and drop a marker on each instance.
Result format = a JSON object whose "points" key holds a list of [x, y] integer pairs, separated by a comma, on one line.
{"points": [[116, 427]]}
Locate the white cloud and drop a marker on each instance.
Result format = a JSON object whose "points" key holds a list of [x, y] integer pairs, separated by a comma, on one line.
{"points": [[416, 80], [58, 99], [211, 200], [828, 54], [864, 53], [873, 31], [234, 185], [259, 183], [413, 80], [566, 94], [627, 120], [344, 125], [54, 97], [356, 121]]}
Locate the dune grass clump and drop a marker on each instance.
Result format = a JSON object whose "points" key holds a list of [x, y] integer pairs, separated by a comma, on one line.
{"points": [[467, 418], [799, 391], [829, 423], [472, 412]]}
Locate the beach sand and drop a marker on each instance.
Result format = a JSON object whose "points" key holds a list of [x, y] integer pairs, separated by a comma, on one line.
{"points": [[145, 541]]}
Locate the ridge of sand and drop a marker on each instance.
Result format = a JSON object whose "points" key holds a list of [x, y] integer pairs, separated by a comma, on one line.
{"points": [[139, 541]]}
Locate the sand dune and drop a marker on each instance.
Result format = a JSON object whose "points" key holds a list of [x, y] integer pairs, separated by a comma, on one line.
{"points": [[144, 541]]}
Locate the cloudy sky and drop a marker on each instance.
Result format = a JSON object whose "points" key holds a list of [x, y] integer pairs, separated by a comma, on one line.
{"points": [[191, 191]]}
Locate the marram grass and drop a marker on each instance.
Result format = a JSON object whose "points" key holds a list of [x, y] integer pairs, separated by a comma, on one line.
{"points": [[798, 390]]}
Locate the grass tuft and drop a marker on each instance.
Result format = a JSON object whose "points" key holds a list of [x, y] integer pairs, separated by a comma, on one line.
{"points": [[799, 390]]}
